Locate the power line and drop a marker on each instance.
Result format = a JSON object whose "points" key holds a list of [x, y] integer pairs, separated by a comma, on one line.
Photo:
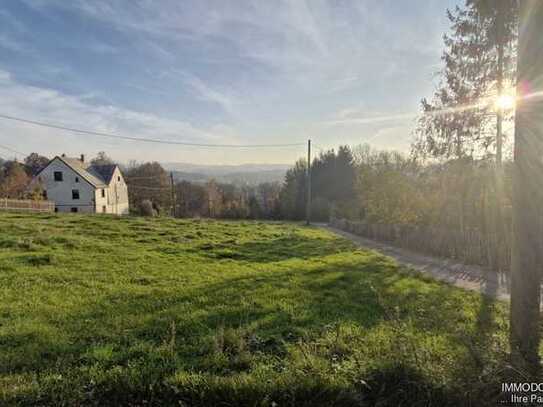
{"points": [[144, 139]]}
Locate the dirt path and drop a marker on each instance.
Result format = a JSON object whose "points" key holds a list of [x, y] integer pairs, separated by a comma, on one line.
{"points": [[468, 277]]}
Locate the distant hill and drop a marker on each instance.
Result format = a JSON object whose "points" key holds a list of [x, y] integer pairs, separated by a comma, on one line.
{"points": [[244, 174]]}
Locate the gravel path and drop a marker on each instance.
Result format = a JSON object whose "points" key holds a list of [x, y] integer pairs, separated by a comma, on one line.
{"points": [[468, 277]]}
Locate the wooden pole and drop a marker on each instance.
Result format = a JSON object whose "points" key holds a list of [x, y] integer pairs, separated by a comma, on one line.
{"points": [[526, 261], [172, 186], [308, 200]]}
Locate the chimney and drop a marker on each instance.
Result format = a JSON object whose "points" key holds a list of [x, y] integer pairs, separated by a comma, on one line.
{"points": [[82, 158]]}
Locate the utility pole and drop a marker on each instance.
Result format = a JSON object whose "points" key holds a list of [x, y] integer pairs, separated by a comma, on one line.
{"points": [[526, 260], [308, 200], [172, 187]]}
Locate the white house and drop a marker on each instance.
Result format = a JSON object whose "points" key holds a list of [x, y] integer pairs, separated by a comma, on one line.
{"points": [[75, 186]]}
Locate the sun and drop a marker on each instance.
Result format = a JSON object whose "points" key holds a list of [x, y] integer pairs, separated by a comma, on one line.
{"points": [[505, 102]]}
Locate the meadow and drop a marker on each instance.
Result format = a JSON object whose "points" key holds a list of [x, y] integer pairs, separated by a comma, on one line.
{"points": [[100, 310]]}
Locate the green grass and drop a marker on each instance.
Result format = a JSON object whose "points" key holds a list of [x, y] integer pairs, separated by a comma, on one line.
{"points": [[98, 310]]}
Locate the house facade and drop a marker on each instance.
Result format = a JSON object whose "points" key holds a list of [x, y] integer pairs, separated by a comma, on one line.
{"points": [[75, 186]]}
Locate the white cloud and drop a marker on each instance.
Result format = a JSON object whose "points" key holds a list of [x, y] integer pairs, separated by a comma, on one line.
{"points": [[11, 44], [5, 76], [316, 44], [397, 138], [102, 48], [282, 61], [206, 93], [50, 106], [355, 116]]}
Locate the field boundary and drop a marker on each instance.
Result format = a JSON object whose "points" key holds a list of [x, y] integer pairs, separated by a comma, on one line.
{"points": [[26, 205], [486, 248], [474, 278]]}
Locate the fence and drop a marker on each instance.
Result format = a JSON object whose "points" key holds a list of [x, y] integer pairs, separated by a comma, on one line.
{"points": [[468, 246], [26, 205]]}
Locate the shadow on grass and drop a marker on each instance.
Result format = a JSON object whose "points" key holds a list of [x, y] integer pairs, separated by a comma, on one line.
{"points": [[273, 249], [133, 329]]}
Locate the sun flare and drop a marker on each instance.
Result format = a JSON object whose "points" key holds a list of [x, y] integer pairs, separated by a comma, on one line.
{"points": [[505, 102]]}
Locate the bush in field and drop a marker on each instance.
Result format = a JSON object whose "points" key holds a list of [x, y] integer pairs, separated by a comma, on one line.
{"points": [[146, 208]]}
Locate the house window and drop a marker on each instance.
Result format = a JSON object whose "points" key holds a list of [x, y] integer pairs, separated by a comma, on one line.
{"points": [[76, 179], [56, 209], [104, 209], [44, 194], [74, 210], [58, 175], [103, 193], [119, 178], [75, 193]]}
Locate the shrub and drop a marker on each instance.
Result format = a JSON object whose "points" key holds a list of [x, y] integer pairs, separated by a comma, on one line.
{"points": [[146, 208]]}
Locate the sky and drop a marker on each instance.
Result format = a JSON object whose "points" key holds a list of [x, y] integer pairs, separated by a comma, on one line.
{"points": [[216, 72]]}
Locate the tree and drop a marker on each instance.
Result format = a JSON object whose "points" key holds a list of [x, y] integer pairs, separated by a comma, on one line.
{"points": [[344, 175], [269, 193], [34, 163], [527, 261], [191, 198], [214, 199], [102, 159], [333, 180], [478, 58], [13, 180], [501, 31], [293, 197], [389, 187], [255, 211], [148, 181]]}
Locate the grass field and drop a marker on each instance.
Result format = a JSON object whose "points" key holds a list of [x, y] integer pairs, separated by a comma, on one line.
{"points": [[97, 310]]}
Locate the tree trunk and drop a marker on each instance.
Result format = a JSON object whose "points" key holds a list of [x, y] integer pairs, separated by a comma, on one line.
{"points": [[528, 169], [500, 18]]}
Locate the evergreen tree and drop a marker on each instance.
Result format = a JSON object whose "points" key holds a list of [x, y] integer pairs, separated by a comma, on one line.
{"points": [[293, 194], [461, 119]]}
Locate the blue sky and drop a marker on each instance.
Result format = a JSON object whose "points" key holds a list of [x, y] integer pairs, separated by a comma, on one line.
{"points": [[234, 72]]}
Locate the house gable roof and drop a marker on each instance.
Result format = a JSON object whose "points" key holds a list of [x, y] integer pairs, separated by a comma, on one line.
{"points": [[104, 172], [98, 176], [81, 169]]}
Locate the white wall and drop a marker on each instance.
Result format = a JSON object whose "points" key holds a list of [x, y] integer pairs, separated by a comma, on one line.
{"points": [[101, 201], [117, 194], [60, 192]]}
